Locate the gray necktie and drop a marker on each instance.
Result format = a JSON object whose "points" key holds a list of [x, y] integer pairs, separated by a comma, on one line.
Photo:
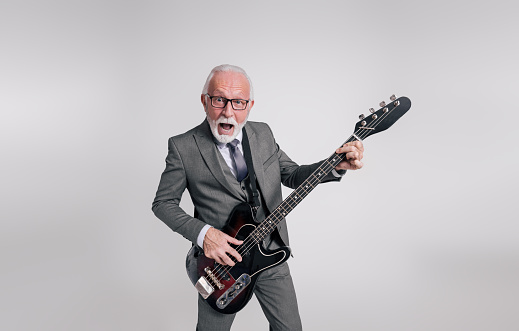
{"points": [[239, 160]]}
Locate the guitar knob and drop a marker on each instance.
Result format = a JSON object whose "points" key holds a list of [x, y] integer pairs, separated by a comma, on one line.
{"points": [[361, 116], [372, 110], [392, 98], [382, 104]]}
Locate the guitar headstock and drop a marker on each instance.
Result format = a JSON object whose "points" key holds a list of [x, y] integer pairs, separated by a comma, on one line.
{"points": [[382, 119]]}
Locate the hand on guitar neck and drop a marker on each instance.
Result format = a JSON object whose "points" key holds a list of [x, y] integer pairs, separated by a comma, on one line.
{"points": [[216, 247], [216, 243], [354, 152]]}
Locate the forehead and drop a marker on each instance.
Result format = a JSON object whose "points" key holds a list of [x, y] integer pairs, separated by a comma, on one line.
{"points": [[231, 84]]}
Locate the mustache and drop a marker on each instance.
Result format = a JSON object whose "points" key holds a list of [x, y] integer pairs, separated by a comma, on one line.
{"points": [[225, 120]]}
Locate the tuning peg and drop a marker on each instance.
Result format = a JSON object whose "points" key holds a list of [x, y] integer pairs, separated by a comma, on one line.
{"points": [[361, 116], [371, 110], [382, 104], [392, 98]]}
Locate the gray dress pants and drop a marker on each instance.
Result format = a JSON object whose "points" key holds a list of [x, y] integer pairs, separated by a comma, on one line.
{"points": [[276, 295]]}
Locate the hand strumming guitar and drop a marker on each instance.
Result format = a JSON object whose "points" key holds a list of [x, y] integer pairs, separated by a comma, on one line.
{"points": [[216, 247]]}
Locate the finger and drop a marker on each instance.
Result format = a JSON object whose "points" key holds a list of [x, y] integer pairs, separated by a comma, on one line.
{"points": [[350, 165], [360, 146], [234, 253], [354, 146], [356, 164], [344, 165], [220, 256], [353, 156], [216, 257], [344, 149], [357, 144], [233, 240], [350, 147], [227, 260]]}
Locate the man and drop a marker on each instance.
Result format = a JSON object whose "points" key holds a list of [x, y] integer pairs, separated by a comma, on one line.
{"points": [[208, 161]]}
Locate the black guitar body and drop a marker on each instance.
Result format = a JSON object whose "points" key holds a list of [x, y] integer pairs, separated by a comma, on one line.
{"points": [[233, 286]]}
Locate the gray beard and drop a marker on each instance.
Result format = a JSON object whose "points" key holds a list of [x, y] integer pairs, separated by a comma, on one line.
{"points": [[223, 138]]}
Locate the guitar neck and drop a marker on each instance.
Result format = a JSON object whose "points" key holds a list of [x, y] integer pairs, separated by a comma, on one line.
{"points": [[377, 121], [301, 192]]}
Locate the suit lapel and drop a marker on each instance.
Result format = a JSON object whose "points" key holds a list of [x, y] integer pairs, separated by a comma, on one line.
{"points": [[256, 158], [210, 154]]}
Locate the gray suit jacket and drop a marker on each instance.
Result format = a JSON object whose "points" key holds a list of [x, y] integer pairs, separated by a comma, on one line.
{"points": [[192, 163]]}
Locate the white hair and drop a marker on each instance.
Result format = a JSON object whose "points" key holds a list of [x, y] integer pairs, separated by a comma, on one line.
{"points": [[227, 68]]}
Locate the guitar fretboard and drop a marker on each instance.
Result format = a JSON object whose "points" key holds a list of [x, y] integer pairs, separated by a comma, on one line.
{"points": [[301, 192]]}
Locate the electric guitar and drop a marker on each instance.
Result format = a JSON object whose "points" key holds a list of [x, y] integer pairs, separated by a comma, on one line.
{"points": [[228, 289]]}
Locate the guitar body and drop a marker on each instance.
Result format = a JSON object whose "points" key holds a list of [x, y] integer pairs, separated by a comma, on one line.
{"points": [[237, 282]]}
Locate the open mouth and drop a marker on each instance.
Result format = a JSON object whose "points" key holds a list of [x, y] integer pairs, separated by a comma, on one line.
{"points": [[226, 126]]}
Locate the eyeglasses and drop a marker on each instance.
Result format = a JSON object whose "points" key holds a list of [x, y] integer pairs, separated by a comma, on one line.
{"points": [[221, 102]]}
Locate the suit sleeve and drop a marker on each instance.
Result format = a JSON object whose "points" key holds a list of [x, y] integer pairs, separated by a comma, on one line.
{"points": [[293, 175], [166, 207]]}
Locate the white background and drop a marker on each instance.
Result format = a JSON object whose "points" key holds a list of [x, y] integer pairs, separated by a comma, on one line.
{"points": [[424, 237]]}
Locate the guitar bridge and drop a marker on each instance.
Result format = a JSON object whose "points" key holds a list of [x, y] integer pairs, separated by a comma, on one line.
{"points": [[204, 288], [214, 278], [241, 283]]}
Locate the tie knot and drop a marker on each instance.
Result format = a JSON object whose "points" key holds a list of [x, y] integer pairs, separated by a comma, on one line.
{"points": [[233, 143]]}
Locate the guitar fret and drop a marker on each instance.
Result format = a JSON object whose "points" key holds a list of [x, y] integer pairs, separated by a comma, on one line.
{"points": [[286, 208], [301, 192], [307, 186]]}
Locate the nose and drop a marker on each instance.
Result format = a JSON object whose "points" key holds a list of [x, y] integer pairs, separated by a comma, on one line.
{"points": [[228, 111]]}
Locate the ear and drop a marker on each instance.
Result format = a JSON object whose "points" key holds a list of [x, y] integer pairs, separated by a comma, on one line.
{"points": [[204, 101], [251, 104]]}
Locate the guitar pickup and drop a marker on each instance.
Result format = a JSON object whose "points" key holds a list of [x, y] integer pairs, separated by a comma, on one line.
{"points": [[204, 288], [241, 283]]}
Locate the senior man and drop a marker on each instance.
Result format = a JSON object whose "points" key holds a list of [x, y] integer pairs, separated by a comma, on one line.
{"points": [[208, 160]]}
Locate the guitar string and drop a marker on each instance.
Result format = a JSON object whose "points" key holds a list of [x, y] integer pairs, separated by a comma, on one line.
{"points": [[248, 244], [297, 194]]}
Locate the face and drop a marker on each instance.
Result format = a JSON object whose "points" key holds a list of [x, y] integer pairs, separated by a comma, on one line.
{"points": [[226, 123]]}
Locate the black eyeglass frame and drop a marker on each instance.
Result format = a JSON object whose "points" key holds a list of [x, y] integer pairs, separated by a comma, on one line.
{"points": [[226, 101]]}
